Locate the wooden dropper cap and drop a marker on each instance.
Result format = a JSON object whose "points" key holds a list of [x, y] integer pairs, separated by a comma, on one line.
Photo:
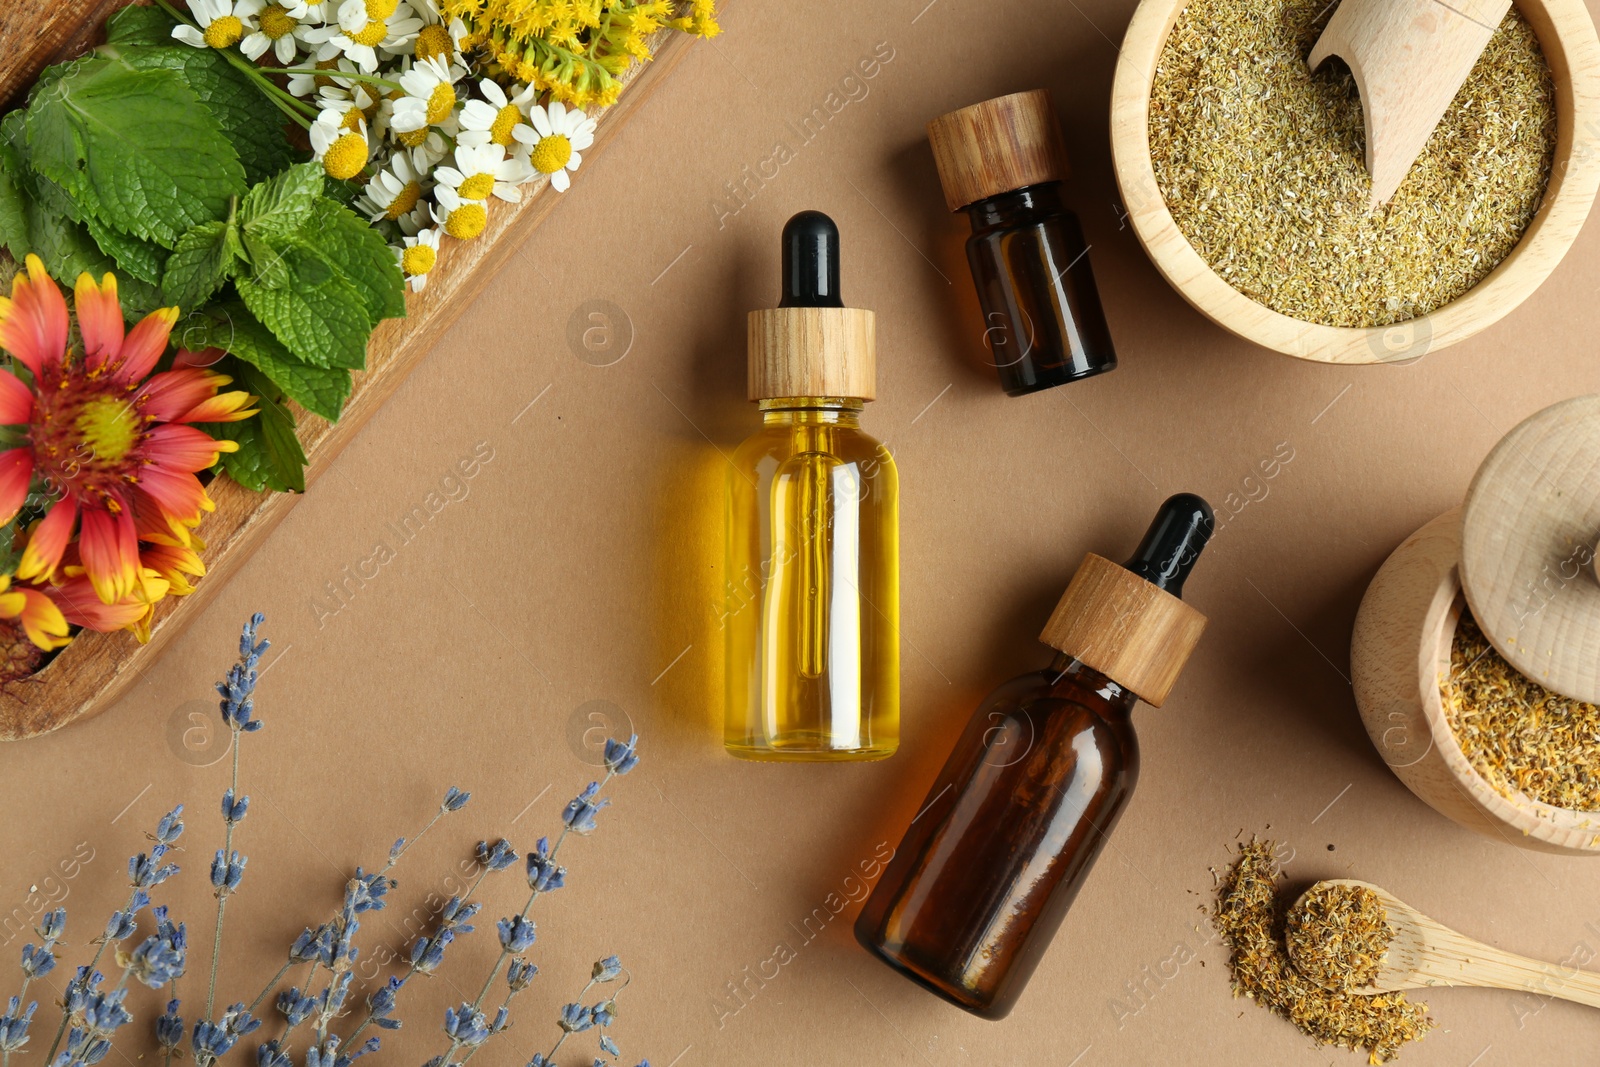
{"points": [[998, 146], [1128, 622], [811, 344]]}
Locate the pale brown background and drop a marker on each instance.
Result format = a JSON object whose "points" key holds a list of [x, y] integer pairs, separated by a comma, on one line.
{"points": [[581, 566]]}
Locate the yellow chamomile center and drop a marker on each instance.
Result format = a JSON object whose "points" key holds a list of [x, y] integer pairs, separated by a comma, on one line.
{"points": [[551, 153], [404, 201], [224, 32], [276, 21], [352, 120], [441, 102], [505, 120], [110, 428], [418, 259], [345, 157], [381, 9], [466, 222], [413, 138], [477, 187], [434, 41], [372, 34]]}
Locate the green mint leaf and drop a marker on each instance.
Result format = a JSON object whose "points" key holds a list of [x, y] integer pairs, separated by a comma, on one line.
{"points": [[14, 203], [198, 266], [136, 148], [250, 121], [317, 314], [139, 25], [231, 327], [278, 206], [269, 455], [134, 258], [265, 265], [351, 246]]}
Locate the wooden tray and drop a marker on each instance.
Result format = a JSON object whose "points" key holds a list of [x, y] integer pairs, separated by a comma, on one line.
{"points": [[96, 669]]}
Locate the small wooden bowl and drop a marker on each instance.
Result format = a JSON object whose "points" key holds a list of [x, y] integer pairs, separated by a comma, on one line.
{"points": [[1567, 36], [1399, 653]]}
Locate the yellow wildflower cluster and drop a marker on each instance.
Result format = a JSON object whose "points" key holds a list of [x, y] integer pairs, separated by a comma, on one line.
{"points": [[574, 49]]}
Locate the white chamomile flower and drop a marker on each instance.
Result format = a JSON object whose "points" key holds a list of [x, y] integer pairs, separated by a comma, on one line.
{"points": [[220, 25], [437, 39], [562, 134], [273, 25], [428, 152], [361, 27], [430, 95], [395, 193], [329, 67], [482, 170], [461, 218], [339, 139], [498, 118], [418, 256]]}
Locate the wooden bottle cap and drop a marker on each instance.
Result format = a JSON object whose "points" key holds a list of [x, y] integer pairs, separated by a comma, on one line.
{"points": [[810, 351], [1528, 532], [1137, 635], [997, 146]]}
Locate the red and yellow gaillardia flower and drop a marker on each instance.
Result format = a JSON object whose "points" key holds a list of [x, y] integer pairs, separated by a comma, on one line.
{"points": [[108, 440]]}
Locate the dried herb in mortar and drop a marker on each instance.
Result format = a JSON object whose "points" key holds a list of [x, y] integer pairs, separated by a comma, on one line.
{"points": [[1250, 917], [1337, 935], [1262, 165], [1519, 735]]}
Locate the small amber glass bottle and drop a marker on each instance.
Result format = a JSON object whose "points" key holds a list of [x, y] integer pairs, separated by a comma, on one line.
{"points": [[813, 599], [1002, 163], [1014, 821]]}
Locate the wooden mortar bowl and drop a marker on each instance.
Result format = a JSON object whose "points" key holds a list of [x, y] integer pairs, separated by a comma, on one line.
{"points": [[1399, 652], [1567, 36]]}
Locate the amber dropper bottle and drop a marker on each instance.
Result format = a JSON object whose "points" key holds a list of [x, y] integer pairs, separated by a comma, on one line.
{"points": [[812, 614], [1012, 824]]}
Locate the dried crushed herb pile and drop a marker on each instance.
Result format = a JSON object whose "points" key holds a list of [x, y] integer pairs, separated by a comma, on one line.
{"points": [[1250, 917], [1337, 935], [1262, 165], [1519, 735]]}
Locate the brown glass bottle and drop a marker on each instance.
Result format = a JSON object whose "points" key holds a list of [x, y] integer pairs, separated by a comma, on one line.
{"points": [[1002, 162], [1011, 826], [1041, 311]]}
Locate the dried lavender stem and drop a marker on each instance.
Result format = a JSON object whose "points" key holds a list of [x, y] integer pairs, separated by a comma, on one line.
{"points": [[222, 892]]}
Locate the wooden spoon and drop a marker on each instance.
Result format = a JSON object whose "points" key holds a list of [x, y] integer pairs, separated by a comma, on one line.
{"points": [[1409, 58], [1427, 953]]}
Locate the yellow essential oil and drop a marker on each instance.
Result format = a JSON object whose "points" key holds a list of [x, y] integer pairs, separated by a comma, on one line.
{"points": [[813, 595]]}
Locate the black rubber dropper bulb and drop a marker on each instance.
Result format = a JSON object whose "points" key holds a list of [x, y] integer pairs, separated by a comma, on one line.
{"points": [[810, 262], [1173, 542]]}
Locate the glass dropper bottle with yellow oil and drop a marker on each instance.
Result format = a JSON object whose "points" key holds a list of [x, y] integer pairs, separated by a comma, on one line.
{"points": [[813, 586]]}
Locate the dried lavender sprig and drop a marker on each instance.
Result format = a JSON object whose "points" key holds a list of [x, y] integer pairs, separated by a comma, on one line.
{"points": [[454, 800], [144, 873], [238, 704], [36, 963], [575, 1018], [495, 857], [544, 875]]}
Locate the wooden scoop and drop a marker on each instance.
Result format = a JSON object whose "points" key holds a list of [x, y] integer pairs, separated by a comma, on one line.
{"points": [[1409, 58], [1427, 953]]}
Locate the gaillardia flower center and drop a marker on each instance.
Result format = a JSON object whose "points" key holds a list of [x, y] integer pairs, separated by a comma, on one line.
{"points": [[86, 436], [224, 32], [551, 153]]}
